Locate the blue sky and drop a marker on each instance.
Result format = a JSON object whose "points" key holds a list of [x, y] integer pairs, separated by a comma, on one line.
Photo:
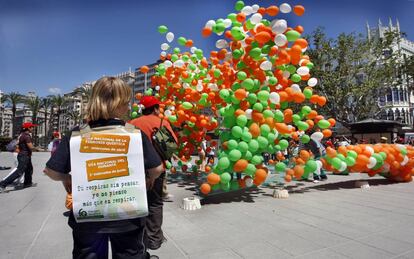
{"points": [[52, 46]]}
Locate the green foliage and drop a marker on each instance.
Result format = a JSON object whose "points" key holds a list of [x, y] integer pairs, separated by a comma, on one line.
{"points": [[353, 72]]}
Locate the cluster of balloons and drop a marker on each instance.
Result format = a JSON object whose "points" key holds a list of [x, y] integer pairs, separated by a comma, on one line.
{"points": [[256, 91]]}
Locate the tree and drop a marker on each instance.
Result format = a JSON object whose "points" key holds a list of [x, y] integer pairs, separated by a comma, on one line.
{"points": [[75, 116], [58, 102], [3, 99], [14, 98], [85, 92], [47, 104], [34, 104], [353, 72]]}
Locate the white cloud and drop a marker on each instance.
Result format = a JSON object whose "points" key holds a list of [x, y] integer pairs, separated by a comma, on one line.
{"points": [[55, 90]]}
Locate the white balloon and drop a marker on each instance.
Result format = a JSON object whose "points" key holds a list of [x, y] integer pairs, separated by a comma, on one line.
{"points": [[249, 182], [227, 23], [163, 53], [165, 46], [274, 98], [186, 85], [285, 8], [255, 7], [172, 108], [286, 74], [295, 88], [193, 49], [210, 24], [189, 165], [312, 81], [228, 56], [343, 167], [247, 10], [386, 168], [318, 136], [266, 65], [248, 114], [167, 113], [167, 63], [372, 162], [213, 86], [199, 86], [280, 40], [157, 87], [169, 36], [405, 161], [280, 26], [302, 71], [179, 63], [369, 149], [221, 44], [256, 18]]}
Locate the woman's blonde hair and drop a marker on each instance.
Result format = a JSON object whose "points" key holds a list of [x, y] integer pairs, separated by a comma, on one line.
{"points": [[108, 93]]}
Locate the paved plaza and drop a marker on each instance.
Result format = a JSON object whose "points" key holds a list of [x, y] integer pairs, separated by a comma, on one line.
{"points": [[331, 219]]}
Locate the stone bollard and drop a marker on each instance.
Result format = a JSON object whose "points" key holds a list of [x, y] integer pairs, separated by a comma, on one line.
{"points": [[191, 203]]}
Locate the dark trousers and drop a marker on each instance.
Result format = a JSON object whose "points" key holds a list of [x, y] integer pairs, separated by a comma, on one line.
{"points": [[25, 167], [153, 233], [125, 245]]}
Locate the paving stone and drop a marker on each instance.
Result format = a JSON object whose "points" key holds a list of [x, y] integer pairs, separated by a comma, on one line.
{"points": [[358, 250]]}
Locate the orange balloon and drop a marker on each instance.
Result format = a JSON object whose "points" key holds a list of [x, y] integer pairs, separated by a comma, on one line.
{"points": [[260, 175], [213, 178], [254, 129], [263, 37], [272, 10], [144, 69], [304, 155], [205, 188], [299, 10], [240, 165]]}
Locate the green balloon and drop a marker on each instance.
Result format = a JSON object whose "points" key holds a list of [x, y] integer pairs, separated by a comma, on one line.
{"points": [[311, 165], [234, 185], [305, 139], [252, 98], [187, 105], [253, 145], [168, 164], [241, 75], [336, 163], [255, 53], [243, 146], [236, 131], [279, 117], [248, 155], [323, 124], [258, 107], [262, 142], [308, 93], [280, 167], [233, 16], [223, 163], [273, 80], [232, 144], [224, 93], [225, 186], [239, 5], [235, 155], [292, 35], [302, 126], [237, 54], [350, 161], [248, 84], [250, 169], [237, 33], [263, 96], [306, 109], [264, 130], [352, 154], [296, 118], [383, 155], [134, 114], [283, 143], [172, 118], [181, 41], [271, 138], [246, 136], [162, 29], [241, 120], [296, 78], [268, 114], [256, 159], [340, 156]]}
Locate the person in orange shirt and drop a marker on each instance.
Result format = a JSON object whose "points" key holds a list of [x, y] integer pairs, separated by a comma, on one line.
{"points": [[147, 123]]}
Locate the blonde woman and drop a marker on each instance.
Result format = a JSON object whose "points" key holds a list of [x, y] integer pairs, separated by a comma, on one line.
{"points": [[109, 101]]}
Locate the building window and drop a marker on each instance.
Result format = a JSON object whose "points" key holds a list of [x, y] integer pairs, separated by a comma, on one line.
{"points": [[395, 95], [390, 115], [389, 95]]}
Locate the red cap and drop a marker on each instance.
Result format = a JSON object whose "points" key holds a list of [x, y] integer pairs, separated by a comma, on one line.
{"points": [[27, 125], [56, 134], [149, 101]]}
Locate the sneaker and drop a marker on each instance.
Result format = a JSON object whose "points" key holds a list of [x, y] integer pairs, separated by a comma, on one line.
{"points": [[315, 181], [167, 197], [2, 189], [324, 177]]}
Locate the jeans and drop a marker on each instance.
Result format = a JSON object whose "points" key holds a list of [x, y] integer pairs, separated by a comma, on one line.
{"points": [[126, 245], [25, 167], [154, 236]]}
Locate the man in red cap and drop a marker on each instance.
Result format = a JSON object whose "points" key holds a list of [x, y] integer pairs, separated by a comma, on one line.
{"points": [[24, 158], [147, 123]]}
